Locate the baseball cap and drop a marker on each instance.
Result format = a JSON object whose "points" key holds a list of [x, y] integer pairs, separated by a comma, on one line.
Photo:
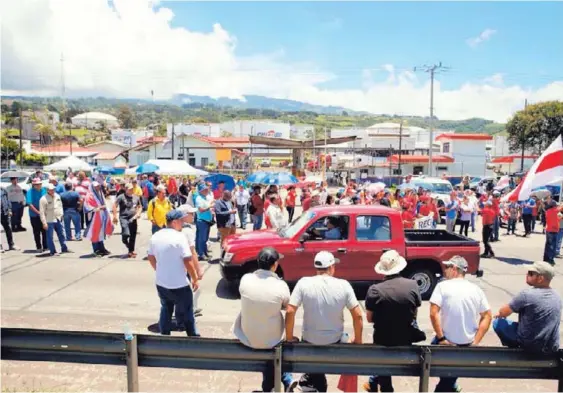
{"points": [[129, 186], [160, 187], [325, 259], [458, 262], [201, 187], [267, 257], [50, 186], [543, 269], [36, 181], [175, 214], [187, 209]]}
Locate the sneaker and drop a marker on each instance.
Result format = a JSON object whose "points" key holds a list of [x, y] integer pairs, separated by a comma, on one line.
{"points": [[294, 386], [67, 251], [13, 247], [54, 254], [367, 388], [484, 255]]}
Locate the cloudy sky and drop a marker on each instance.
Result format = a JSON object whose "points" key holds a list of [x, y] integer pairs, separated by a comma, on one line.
{"points": [[356, 55]]}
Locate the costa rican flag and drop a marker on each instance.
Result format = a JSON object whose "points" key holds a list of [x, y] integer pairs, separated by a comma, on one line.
{"points": [[548, 169]]}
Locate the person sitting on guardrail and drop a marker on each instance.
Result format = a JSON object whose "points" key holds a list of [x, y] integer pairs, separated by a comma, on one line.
{"points": [[539, 314], [459, 312], [260, 323], [391, 306], [324, 298]]}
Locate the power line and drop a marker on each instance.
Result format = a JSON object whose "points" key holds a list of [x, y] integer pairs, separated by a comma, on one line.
{"points": [[432, 70]]}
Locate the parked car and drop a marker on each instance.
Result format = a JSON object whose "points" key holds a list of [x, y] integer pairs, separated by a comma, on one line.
{"points": [[438, 188], [366, 233], [24, 180]]}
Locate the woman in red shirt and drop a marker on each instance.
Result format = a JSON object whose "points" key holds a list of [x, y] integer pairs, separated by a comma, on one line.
{"points": [[408, 217], [551, 231], [290, 202], [488, 216]]}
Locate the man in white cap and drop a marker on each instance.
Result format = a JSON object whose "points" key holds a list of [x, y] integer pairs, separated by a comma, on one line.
{"points": [[51, 214], [130, 209], [324, 298], [33, 196], [459, 312], [391, 306], [539, 314]]}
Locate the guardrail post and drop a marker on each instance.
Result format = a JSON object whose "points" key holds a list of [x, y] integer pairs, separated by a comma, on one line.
{"points": [[425, 359], [278, 369], [132, 363]]}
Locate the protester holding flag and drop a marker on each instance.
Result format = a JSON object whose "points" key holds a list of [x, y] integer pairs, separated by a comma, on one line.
{"points": [[551, 231]]}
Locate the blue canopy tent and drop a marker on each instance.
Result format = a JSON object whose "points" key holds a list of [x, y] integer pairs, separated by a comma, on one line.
{"points": [[279, 179], [257, 177], [215, 178], [106, 170], [147, 168]]}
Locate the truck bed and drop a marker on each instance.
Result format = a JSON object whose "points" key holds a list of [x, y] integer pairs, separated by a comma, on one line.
{"points": [[436, 238]]}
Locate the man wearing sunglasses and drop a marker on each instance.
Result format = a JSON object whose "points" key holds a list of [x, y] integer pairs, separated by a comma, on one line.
{"points": [[539, 314]]}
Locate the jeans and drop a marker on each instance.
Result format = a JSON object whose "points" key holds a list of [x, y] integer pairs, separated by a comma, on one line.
{"points": [[17, 213], [506, 332], [258, 219], [527, 218], [155, 228], [559, 242], [511, 226], [242, 213], [450, 224], [201, 237], [98, 247], [56, 226], [268, 379], [549, 251], [39, 234], [291, 212], [74, 216], [486, 238], [496, 229], [473, 221], [8, 230], [128, 233], [446, 384], [464, 227], [145, 203], [533, 222], [182, 299]]}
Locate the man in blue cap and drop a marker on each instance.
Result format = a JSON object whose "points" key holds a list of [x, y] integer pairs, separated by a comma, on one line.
{"points": [[204, 221], [171, 258]]}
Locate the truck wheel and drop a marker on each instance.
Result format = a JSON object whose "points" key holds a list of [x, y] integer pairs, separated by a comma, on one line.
{"points": [[426, 280]]}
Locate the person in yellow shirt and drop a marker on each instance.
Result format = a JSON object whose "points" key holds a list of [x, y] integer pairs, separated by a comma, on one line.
{"points": [[136, 189], [158, 207]]}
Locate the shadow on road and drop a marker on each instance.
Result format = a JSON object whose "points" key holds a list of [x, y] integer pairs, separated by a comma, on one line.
{"points": [[514, 261], [225, 291], [30, 251], [88, 256]]}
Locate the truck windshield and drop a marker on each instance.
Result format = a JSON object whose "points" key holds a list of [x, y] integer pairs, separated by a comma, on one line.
{"points": [[293, 228], [438, 188]]}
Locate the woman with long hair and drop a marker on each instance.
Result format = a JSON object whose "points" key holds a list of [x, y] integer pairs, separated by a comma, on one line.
{"points": [[100, 225]]}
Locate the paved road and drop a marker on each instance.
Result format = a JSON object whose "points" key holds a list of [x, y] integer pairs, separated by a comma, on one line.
{"points": [[79, 292]]}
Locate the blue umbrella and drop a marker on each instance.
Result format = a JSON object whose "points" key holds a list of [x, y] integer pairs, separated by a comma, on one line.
{"points": [[218, 177], [147, 168], [257, 177], [105, 170], [279, 178]]}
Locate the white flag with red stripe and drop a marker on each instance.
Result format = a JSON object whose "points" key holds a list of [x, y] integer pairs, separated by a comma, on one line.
{"points": [[548, 169]]}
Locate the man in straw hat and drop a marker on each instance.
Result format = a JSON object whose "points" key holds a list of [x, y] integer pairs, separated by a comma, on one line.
{"points": [[391, 305], [539, 313], [459, 312]]}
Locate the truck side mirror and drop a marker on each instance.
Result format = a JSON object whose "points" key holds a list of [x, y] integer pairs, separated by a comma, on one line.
{"points": [[304, 237]]}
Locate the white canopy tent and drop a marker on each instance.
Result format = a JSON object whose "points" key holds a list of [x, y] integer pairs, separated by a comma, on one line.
{"points": [[176, 167], [131, 171], [72, 162]]}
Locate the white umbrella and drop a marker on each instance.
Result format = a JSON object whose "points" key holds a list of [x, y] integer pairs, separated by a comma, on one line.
{"points": [[376, 187], [176, 167], [541, 193], [131, 171], [15, 174], [72, 162]]}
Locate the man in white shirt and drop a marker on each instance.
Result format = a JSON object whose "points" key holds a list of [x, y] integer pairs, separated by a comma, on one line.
{"points": [[170, 256], [242, 197], [459, 312], [324, 299], [51, 215], [189, 231], [260, 324]]}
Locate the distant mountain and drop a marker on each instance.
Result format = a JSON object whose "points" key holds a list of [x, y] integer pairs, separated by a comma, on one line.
{"points": [[260, 102]]}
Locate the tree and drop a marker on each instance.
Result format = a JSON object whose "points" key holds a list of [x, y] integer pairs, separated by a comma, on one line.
{"points": [[536, 126], [126, 117], [10, 148], [33, 159], [226, 134]]}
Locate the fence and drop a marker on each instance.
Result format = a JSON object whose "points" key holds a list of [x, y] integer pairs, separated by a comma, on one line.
{"points": [[220, 354]]}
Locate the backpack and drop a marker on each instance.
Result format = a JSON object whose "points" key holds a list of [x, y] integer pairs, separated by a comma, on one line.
{"points": [[153, 201]]}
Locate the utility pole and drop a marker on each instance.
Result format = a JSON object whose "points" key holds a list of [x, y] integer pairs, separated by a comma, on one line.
{"points": [[324, 161], [21, 142], [400, 146], [433, 69], [523, 136], [173, 156]]}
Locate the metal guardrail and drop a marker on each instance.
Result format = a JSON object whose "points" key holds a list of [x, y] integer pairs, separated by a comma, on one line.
{"points": [[220, 354]]}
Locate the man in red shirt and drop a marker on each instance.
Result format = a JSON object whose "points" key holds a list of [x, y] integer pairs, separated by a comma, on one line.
{"points": [[551, 231], [496, 223], [257, 209], [408, 217], [290, 202], [488, 216], [218, 193]]}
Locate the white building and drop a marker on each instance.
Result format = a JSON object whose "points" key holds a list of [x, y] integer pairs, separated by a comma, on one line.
{"points": [[95, 120], [130, 137], [469, 152], [301, 131]]}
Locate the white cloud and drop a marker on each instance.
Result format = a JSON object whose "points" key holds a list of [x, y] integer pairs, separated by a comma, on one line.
{"points": [[495, 79], [129, 48], [484, 36]]}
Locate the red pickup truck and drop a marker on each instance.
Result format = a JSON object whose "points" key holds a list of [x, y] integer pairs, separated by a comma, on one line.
{"points": [[357, 235]]}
